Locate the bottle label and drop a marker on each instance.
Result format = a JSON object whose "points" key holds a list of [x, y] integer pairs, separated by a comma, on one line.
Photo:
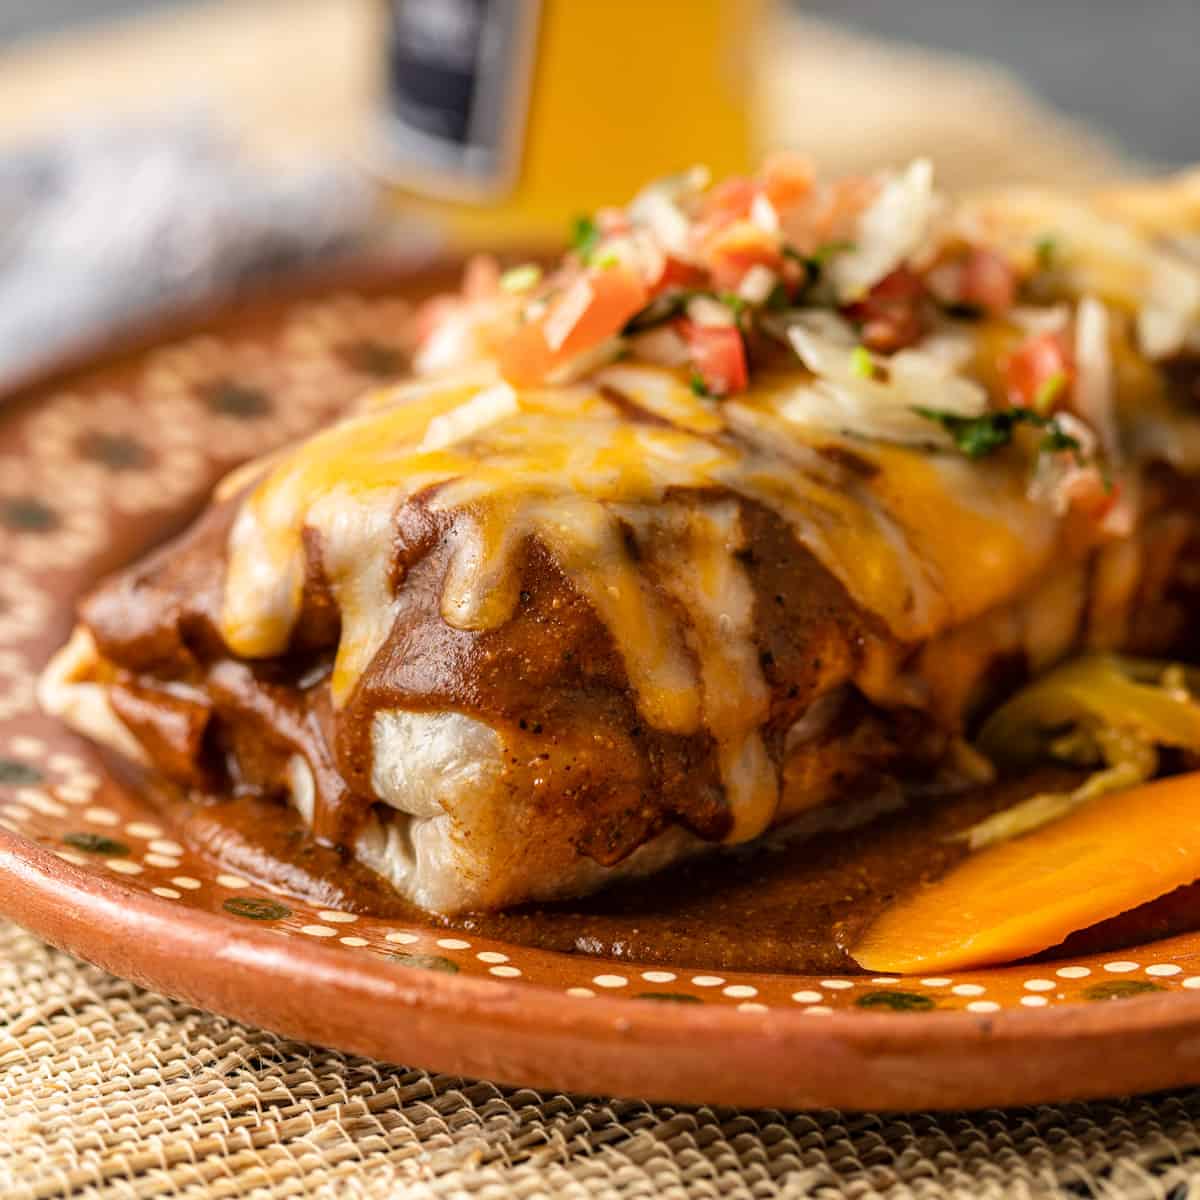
{"points": [[458, 75]]}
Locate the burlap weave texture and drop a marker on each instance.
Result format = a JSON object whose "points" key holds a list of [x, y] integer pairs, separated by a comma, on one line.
{"points": [[110, 1091]]}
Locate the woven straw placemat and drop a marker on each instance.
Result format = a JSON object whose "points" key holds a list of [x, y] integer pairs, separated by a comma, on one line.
{"points": [[111, 1091]]}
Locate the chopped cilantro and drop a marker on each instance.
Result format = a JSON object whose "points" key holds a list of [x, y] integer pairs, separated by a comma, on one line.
{"points": [[861, 363], [585, 236], [1045, 249], [733, 302], [977, 437], [1049, 392], [1056, 439], [698, 386], [822, 254], [607, 259]]}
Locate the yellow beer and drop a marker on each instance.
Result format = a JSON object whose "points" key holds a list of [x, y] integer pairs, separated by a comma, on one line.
{"points": [[506, 117]]}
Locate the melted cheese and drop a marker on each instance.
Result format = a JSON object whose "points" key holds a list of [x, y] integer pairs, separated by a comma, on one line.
{"points": [[922, 541]]}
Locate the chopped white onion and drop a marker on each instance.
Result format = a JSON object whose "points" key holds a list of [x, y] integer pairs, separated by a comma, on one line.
{"points": [[1093, 393], [757, 284], [843, 399], [763, 214], [889, 230], [661, 346], [704, 310]]}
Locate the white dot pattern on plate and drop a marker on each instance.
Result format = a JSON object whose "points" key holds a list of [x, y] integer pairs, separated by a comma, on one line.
{"points": [[166, 893], [123, 866], [1039, 985], [71, 857], [1192, 982], [232, 881], [708, 980], [1073, 972], [1121, 966], [41, 802], [491, 956], [807, 997], [739, 991], [608, 981], [1034, 1001], [101, 816], [580, 991], [1163, 970], [507, 971], [937, 981], [337, 918], [968, 989], [659, 976], [318, 931], [186, 882], [161, 860], [453, 944], [983, 1006], [818, 1010], [143, 829], [166, 846], [354, 941], [886, 979], [751, 1006], [836, 985], [402, 937]]}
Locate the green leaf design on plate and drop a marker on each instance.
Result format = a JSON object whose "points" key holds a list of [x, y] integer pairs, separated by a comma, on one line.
{"points": [[256, 908], [18, 774], [27, 514], [1120, 989], [96, 843], [669, 997], [228, 398], [426, 962], [896, 1001]]}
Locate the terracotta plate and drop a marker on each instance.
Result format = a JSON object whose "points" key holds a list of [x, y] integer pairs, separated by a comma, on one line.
{"points": [[108, 456]]}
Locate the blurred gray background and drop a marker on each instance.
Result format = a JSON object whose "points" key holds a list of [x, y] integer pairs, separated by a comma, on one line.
{"points": [[1129, 68]]}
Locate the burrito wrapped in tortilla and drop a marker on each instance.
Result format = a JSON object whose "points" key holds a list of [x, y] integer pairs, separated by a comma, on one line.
{"points": [[731, 523]]}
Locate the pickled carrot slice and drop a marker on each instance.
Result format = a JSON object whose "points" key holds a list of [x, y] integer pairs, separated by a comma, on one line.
{"points": [[1015, 899]]}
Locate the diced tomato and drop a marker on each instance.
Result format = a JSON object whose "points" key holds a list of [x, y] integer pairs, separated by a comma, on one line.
{"points": [[787, 178], [737, 248], [594, 307], [988, 282], [730, 200], [678, 274], [1032, 367], [891, 316], [719, 356]]}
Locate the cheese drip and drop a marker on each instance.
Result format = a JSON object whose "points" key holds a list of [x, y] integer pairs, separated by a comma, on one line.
{"points": [[920, 540]]}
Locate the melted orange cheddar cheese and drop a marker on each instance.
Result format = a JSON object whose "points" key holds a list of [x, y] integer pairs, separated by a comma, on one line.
{"points": [[924, 541]]}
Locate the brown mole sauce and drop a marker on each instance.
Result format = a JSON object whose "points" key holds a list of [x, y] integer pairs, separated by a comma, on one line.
{"points": [[778, 907], [774, 906]]}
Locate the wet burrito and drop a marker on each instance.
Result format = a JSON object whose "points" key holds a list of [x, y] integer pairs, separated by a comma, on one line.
{"points": [[731, 523]]}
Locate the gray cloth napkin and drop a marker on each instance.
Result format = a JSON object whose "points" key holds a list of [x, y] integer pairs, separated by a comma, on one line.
{"points": [[108, 224]]}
